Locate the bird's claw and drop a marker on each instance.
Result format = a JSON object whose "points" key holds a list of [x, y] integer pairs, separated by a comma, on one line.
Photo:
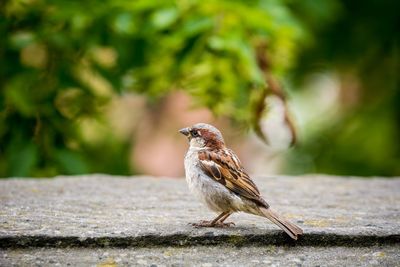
{"points": [[227, 224]]}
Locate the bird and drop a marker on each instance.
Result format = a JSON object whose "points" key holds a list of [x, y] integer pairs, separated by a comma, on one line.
{"points": [[215, 175]]}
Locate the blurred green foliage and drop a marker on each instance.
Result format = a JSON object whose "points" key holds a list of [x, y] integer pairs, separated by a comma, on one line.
{"points": [[360, 41], [63, 61]]}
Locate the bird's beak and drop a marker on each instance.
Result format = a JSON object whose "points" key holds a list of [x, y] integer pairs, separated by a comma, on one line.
{"points": [[184, 131]]}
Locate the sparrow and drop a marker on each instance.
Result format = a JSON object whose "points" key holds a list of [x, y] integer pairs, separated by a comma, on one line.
{"points": [[215, 175]]}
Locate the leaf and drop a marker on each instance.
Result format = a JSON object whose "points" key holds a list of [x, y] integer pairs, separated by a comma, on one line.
{"points": [[71, 162], [23, 159], [164, 18], [18, 94], [124, 24]]}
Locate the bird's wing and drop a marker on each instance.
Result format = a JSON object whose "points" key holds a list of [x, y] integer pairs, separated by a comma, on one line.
{"points": [[223, 166]]}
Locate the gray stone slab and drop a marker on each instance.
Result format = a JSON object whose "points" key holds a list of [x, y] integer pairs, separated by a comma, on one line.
{"points": [[99, 210], [204, 256]]}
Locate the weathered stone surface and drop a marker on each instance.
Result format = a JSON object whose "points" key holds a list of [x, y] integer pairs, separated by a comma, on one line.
{"points": [[204, 256], [99, 210]]}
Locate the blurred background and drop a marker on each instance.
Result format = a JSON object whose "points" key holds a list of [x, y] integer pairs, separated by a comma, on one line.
{"points": [[104, 86]]}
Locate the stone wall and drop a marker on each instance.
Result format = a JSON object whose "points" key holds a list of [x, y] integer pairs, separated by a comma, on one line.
{"points": [[98, 219]]}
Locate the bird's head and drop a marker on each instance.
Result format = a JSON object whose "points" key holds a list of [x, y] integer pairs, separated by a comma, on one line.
{"points": [[203, 135]]}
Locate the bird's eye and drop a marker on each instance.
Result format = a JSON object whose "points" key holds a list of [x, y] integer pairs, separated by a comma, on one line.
{"points": [[195, 133]]}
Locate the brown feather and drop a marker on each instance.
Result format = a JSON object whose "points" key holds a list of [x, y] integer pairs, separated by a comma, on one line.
{"points": [[290, 228], [223, 166]]}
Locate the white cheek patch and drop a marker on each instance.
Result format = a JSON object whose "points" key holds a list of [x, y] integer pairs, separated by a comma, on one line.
{"points": [[197, 142]]}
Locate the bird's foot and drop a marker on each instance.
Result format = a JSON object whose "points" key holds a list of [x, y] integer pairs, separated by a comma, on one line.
{"points": [[203, 224], [223, 225], [212, 224]]}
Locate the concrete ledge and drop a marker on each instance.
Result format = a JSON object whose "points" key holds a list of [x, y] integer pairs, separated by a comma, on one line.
{"points": [[204, 256], [102, 211]]}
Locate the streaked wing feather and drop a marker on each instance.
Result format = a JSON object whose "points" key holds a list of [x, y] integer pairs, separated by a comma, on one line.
{"points": [[224, 167]]}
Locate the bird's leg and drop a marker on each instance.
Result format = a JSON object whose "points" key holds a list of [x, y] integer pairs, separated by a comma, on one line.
{"points": [[217, 222], [221, 221], [209, 223]]}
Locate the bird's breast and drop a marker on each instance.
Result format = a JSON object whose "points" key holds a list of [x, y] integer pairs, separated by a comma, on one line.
{"points": [[215, 195]]}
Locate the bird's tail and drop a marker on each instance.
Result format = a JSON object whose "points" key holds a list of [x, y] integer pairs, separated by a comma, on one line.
{"points": [[291, 229]]}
